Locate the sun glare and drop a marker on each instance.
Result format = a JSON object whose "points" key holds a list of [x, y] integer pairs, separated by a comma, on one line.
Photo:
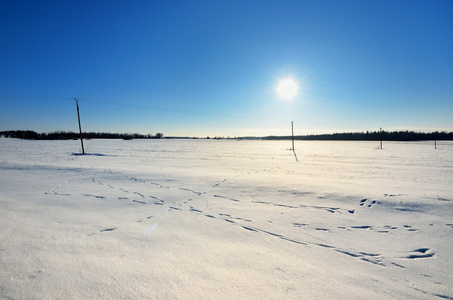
{"points": [[287, 88]]}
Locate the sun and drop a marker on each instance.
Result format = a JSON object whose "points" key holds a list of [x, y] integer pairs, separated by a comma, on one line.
{"points": [[287, 88]]}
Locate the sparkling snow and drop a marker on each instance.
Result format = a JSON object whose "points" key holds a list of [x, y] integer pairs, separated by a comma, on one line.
{"points": [[225, 219]]}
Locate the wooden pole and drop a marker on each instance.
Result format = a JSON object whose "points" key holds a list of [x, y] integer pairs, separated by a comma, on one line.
{"points": [[292, 133], [380, 136], [80, 127], [435, 140]]}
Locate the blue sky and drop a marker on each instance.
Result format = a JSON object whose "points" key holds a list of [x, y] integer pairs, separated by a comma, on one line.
{"points": [[210, 68]]}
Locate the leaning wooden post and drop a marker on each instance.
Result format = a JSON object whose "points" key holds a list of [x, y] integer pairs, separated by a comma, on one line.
{"points": [[80, 127], [292, 133]]}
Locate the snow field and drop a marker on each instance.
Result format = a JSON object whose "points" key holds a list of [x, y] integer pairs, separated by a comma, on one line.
{"points": [[206, 219]]}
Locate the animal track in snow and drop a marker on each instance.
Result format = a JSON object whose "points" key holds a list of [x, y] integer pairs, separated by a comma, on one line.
{"points": [[373, 258], [390, 227], [372, 203], [420, 253], [328, 209], [325, 208], [103, 230], [249, 228], [242, 219], [392, 195], [228, 198], [231, 217], [226, 217], [53, 191], [192, 191], [398, 265], [159, 185], [362, 227], [139, 202], [195, 210], [147, 218], [322, 229], [230, 221], [285, 205], [364, 201], [217, 184], [108, 229], [156, 198], [294, 192], [94, 196]]}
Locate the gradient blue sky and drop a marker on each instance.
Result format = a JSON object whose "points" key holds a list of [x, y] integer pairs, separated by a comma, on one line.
{"points": [[210, 68]]}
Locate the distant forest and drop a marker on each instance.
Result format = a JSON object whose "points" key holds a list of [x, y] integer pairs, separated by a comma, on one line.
{"points": [[370, 136], [348, 136], [69, 135]]}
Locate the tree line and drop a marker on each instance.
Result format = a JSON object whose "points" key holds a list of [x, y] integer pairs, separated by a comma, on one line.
{"points": [[347, 136], [69, 135], [371, 136]]}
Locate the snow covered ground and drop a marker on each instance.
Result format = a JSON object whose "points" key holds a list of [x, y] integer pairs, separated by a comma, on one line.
{"points": [[208, 219]]}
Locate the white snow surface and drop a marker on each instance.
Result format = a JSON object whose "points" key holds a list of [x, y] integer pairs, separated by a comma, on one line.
{"points": [[225, 219]]}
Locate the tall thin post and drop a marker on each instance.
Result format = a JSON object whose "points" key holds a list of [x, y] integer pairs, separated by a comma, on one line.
{"points": [[292, 133], [380, 136], [435, 140], [80, 127]]}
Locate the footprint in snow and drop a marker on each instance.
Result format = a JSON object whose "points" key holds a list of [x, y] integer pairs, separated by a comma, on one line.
{"points": [[372, 203], [363, 202], [94, 196], [139, 202], [147, 218], [228, 198], [362, 227], [392, 227], [192, 191], [420, 253], [230, 221], [103, 230], [108, 229], [249, 228], [217, 184], [245, 220], [322, 229]]}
